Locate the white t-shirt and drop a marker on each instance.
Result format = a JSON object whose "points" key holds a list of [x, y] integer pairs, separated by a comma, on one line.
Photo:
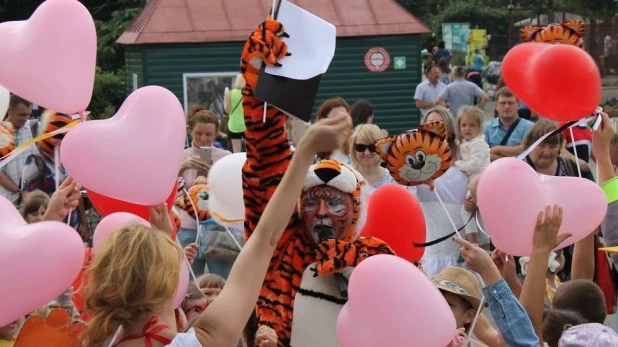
{"points": [[187, 339]]}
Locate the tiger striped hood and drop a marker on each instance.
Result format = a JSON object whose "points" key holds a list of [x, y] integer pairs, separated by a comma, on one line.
{"points": [[346, 179]]}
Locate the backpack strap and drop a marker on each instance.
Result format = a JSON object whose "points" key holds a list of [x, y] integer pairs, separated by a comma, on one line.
{"points": [[508, 134], [34, 127]]}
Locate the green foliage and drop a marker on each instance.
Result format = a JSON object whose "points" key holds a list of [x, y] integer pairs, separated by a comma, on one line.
{"points": [[109, 91], [109, 54], [494, 20]]}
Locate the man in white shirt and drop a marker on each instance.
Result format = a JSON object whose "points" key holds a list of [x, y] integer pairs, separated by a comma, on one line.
{"points": [[428, 91], [10, 174]]}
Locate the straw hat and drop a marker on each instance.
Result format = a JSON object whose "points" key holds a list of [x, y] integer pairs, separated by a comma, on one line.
{"points": [[461, 282]]}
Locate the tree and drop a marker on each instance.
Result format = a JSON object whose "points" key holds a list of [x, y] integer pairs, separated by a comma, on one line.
{"points": [[109, 54], [109, 92]]}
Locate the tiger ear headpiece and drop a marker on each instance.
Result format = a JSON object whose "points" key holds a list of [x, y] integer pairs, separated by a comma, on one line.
{"points": [[346, 179], [567, 33], [417, 156]]}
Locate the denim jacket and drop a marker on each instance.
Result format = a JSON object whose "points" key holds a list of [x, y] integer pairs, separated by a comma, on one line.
{"points": [[511, 319]]}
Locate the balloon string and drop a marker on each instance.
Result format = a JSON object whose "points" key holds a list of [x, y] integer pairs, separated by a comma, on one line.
{"points": [[447, 213], [478, 313], [111, 342], [233, 238], [197, 220], [579, 170], [188, 264], [56, 167]]}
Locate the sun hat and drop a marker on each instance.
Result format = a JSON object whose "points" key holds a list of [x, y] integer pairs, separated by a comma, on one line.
{"points": [[591, 334], [461, 282]]}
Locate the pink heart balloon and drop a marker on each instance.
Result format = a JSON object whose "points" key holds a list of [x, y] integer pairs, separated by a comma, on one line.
{"points": [[133, 156], [38, 262], [511, 195], [111, 223], [57, 48], [393, 303]]}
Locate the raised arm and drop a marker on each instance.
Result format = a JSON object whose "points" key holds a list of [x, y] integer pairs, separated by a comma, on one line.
{"points": [[268, 150], [223, 322]]}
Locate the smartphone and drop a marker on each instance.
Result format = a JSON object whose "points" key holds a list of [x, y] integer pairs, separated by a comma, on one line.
{"points": [[206, 154]]}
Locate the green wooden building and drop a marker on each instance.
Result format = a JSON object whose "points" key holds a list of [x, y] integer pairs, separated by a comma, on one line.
{"points": [[193, 48]]}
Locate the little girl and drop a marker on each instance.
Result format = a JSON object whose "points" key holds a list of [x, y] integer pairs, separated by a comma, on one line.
{"points": [[474, 160]]}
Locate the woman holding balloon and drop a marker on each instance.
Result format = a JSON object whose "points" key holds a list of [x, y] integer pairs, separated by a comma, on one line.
{"points": [[452, 188]]}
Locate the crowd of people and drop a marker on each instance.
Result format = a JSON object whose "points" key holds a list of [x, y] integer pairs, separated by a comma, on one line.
{"points": [[305, 190]]}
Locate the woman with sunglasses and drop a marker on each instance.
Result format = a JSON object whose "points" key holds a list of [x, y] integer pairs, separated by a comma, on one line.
{"points": [[364, 157]]}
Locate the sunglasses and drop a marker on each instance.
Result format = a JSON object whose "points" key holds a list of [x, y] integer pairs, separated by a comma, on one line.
{"points": [[361, 148]]}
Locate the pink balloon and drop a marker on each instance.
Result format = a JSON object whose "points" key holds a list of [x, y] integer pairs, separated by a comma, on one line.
{"points": [[111, 223], [393, 303], [38, 262], [183, 284], [57, 48], [511, 195], [133, 156]]}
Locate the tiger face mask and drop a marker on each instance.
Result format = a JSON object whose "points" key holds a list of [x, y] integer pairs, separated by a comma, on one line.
{"points": [[324, 207]]}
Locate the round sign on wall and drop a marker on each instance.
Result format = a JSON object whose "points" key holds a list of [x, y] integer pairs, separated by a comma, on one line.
{"points": [[377, 59]]}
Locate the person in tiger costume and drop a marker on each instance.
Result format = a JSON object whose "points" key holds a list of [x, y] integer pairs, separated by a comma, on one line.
{"points": [[300, 299]]}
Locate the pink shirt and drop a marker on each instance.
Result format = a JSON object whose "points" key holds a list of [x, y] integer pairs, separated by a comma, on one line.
{"points": [[190, 175]]}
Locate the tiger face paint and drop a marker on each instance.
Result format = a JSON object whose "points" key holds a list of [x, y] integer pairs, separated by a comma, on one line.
{"points": [[326, 207]]}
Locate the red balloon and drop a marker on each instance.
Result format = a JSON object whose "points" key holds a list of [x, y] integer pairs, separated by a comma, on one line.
{"points": [[106, 205], [395, 216], [565, 83], [515, 66], [560, 82]]}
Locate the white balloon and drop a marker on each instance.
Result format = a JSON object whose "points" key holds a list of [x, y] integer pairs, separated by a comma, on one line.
{"points": [[5, 96], [225, 200]]}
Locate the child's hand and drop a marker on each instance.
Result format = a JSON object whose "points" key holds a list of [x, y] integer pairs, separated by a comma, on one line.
{"points": [[469, 204], [191, 252], [602, 137], [477, 259], [506, 268], [546, 232], [160, 219]]}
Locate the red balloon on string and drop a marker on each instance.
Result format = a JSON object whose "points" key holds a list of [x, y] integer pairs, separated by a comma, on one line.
{"points": [[106, 205], [395, 216], [515, 66]]}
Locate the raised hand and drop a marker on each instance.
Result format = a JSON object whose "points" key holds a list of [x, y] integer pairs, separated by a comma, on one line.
{"points": [[327, 134], [160, 219], [64, 199], [546, 231]]}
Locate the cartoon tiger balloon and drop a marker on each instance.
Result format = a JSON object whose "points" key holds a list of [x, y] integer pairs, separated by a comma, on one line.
{"points": [[568, 33], [195, 203], [418, 156], [7, 140]]}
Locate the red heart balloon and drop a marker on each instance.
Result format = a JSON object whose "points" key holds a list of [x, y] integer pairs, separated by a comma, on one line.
{"points": [[515, 65], [106, 205], [565, 83], [395, 216]]}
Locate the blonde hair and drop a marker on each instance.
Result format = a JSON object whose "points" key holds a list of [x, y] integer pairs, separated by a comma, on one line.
{"points": [[134, 273], [211, 281], [239, 82], [449, 124], [368, 133], [470, 111], [33, 202]]}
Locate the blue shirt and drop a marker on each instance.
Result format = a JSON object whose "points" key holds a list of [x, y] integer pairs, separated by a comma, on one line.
{"points": [[494, 132], [511, 319], [478, 61]]}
